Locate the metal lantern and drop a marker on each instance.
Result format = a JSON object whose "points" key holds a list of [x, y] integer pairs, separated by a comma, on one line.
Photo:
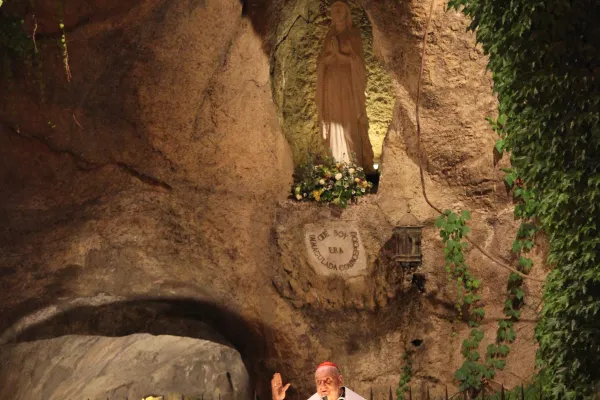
{"points": [[407, 241]]}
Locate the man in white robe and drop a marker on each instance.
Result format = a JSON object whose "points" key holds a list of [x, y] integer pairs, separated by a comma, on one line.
{"points": [[329, 382]]}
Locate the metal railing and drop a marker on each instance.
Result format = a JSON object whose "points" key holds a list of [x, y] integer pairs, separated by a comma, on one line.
{"points": [[516, 394], [519, 393]]}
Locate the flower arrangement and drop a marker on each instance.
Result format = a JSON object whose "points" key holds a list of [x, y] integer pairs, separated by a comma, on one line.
{"points": [[330, 182]]}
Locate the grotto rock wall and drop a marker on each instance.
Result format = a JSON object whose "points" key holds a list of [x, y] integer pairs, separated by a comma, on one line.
{"points": [[161, 170]]}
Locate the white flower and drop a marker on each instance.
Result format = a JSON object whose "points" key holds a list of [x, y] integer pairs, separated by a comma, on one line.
{"points": [[354, 192], [362, 190], [351, 170], [299, 197], [322, 181], [307, 195], [346, 186], [338, 176]]}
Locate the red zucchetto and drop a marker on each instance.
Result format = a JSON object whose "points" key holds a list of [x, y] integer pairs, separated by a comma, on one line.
{"points": [[328, 364]]}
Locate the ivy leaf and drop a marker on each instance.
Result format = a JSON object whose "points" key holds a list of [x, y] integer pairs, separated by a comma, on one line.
{"points": [[439, 222], [452, 218], [510, 179], [500, 146], [510, 335], [519, 294], [502, 119]]}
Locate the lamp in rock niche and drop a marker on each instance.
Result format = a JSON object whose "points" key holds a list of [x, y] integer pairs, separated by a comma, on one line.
{"points": [[406, 242]]}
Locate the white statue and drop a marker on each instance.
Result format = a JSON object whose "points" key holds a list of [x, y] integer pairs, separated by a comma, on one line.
{"points": [[341, 84]]}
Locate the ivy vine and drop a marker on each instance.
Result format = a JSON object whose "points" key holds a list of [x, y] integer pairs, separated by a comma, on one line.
{"points": [[526, 205], [14, 45], [545, 61], [405, 375], [19, 48], [473, 373]]}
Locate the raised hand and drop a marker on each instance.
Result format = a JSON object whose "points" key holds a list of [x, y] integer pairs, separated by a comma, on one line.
{"points": [[277, 387]]}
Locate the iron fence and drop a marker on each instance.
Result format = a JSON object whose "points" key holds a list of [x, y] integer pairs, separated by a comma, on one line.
{"points": [[519, 393]]}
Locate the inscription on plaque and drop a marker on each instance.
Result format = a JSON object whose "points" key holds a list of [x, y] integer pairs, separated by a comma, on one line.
{"points": [[335, 248]]}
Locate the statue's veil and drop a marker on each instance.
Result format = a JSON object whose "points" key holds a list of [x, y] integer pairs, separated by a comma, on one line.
{"points": [[348, 11]]}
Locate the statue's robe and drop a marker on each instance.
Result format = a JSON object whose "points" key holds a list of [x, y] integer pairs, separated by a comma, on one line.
{"points": [[341, 100], [350, 395]]}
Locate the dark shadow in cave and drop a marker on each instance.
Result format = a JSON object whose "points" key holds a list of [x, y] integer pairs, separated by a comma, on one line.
{"points": [[159, 316]]}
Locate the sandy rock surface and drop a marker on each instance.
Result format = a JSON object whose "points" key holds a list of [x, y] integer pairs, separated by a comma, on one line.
{"points": [[163, 175]]}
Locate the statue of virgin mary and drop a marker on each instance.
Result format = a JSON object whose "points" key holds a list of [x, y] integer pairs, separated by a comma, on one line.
{"points": [[341, 84]]}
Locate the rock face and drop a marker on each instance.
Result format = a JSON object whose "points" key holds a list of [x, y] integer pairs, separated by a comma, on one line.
{"points": [[85, 367], [160, 173]]}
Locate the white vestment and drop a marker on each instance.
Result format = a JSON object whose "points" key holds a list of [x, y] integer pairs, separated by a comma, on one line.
{"points": [[350, 395]]}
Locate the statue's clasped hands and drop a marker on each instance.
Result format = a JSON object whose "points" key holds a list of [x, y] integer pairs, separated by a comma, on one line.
{"points": [[277, 387], [335, 45]]}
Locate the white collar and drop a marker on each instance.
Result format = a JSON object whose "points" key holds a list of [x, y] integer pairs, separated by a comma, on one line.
{"points": [[349, 395]]}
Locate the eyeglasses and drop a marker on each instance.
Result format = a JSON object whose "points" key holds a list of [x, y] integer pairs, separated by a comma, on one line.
{"points": [[327, 382]]}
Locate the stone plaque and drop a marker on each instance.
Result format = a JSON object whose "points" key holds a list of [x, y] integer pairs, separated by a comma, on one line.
{"points": [[335, 248]]}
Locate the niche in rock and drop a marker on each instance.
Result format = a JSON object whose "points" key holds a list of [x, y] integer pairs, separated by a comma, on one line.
{"points": [[294, 77]]}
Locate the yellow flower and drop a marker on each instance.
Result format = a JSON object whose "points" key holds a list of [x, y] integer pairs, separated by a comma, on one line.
{"points": [[351, 170], [357, 180], [317, 195], [298, 197]]}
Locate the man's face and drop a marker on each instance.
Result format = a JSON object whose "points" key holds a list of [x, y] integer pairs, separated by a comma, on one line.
{"points": [[329, 382], [338, 14]]}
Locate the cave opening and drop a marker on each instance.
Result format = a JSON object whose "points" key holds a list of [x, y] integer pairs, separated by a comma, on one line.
{"points": [[134, 349]]}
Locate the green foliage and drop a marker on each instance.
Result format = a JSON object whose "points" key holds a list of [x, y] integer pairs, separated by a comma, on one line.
{"points": [[545, 61], [18, 55], [330, 182], [473, 373], [526, 204], [14, 44], [406, 375], [529, 391]]}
